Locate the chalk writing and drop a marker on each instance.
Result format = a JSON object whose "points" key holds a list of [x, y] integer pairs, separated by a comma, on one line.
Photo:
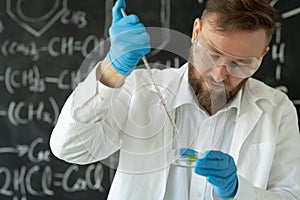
{"points": [[278, 51], [81, 184], [279, 46], [14, 47], [40, 24], [22, 112], [77, 18], [34, 82], [20, 180], [31, 78], [66, 80], [57, 46], [30, 151], [1, 27]]}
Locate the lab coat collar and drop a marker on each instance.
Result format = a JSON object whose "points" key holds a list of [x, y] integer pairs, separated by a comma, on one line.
{"points": [[234, 103], [248, 115], [185, 94], [174, 86]]}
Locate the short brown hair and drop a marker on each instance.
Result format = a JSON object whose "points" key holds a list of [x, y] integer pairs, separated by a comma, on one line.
{"points": [[248, 15]]}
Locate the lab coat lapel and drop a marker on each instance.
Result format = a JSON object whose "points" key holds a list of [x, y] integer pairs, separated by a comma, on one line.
{"points": [[244, 126], [247, 118]]}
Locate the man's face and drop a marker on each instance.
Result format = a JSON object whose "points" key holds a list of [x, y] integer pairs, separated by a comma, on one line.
{"points": [[214, 81]]}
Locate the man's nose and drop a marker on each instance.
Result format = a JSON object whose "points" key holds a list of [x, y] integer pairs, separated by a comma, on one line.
{"points": [[219, 73]]}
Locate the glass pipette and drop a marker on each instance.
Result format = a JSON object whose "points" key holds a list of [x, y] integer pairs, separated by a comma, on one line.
{"points": [[175, 158], [147, 65]]}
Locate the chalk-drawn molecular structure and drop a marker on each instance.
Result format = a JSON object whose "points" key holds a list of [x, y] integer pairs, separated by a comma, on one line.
{"points": [[17, 10], [278, 49]]}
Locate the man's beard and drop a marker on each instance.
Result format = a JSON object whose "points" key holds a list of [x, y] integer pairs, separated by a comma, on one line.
{"points": [[210, 99]]}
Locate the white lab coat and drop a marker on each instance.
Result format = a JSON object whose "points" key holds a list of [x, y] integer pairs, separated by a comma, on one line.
{"points": [[265, 144]]}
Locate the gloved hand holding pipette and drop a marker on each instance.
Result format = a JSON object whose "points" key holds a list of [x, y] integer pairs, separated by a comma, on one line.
{"points": [[129, 40]]}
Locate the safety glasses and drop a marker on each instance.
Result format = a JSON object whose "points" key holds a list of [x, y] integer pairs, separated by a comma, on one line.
{"points": [[240, 67]]}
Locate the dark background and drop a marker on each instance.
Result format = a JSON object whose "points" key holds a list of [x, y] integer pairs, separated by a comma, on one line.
{"points": [[42, 46]]}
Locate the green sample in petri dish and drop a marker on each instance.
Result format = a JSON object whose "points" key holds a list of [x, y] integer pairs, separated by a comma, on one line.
{"points": [[191, 158]]}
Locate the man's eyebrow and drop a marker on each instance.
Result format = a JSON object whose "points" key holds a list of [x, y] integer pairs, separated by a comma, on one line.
{"points": [[245, 60]]}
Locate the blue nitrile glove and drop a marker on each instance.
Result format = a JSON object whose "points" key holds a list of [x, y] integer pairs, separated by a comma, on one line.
{"points": [[129, 40], [220, 170]]}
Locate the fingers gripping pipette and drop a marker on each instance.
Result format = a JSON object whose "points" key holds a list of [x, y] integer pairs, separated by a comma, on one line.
{"points": [[147, 65]]}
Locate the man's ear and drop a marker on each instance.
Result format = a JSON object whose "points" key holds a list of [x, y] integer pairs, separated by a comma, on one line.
{"points": [[197, 28], [265, 51]]}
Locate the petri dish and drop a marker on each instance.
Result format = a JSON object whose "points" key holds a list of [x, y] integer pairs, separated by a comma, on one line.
{"points": [[183, 157]]}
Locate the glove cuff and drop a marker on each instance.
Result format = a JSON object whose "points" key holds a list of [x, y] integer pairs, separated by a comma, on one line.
{"points": [[114, 62], [227, 196]]}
